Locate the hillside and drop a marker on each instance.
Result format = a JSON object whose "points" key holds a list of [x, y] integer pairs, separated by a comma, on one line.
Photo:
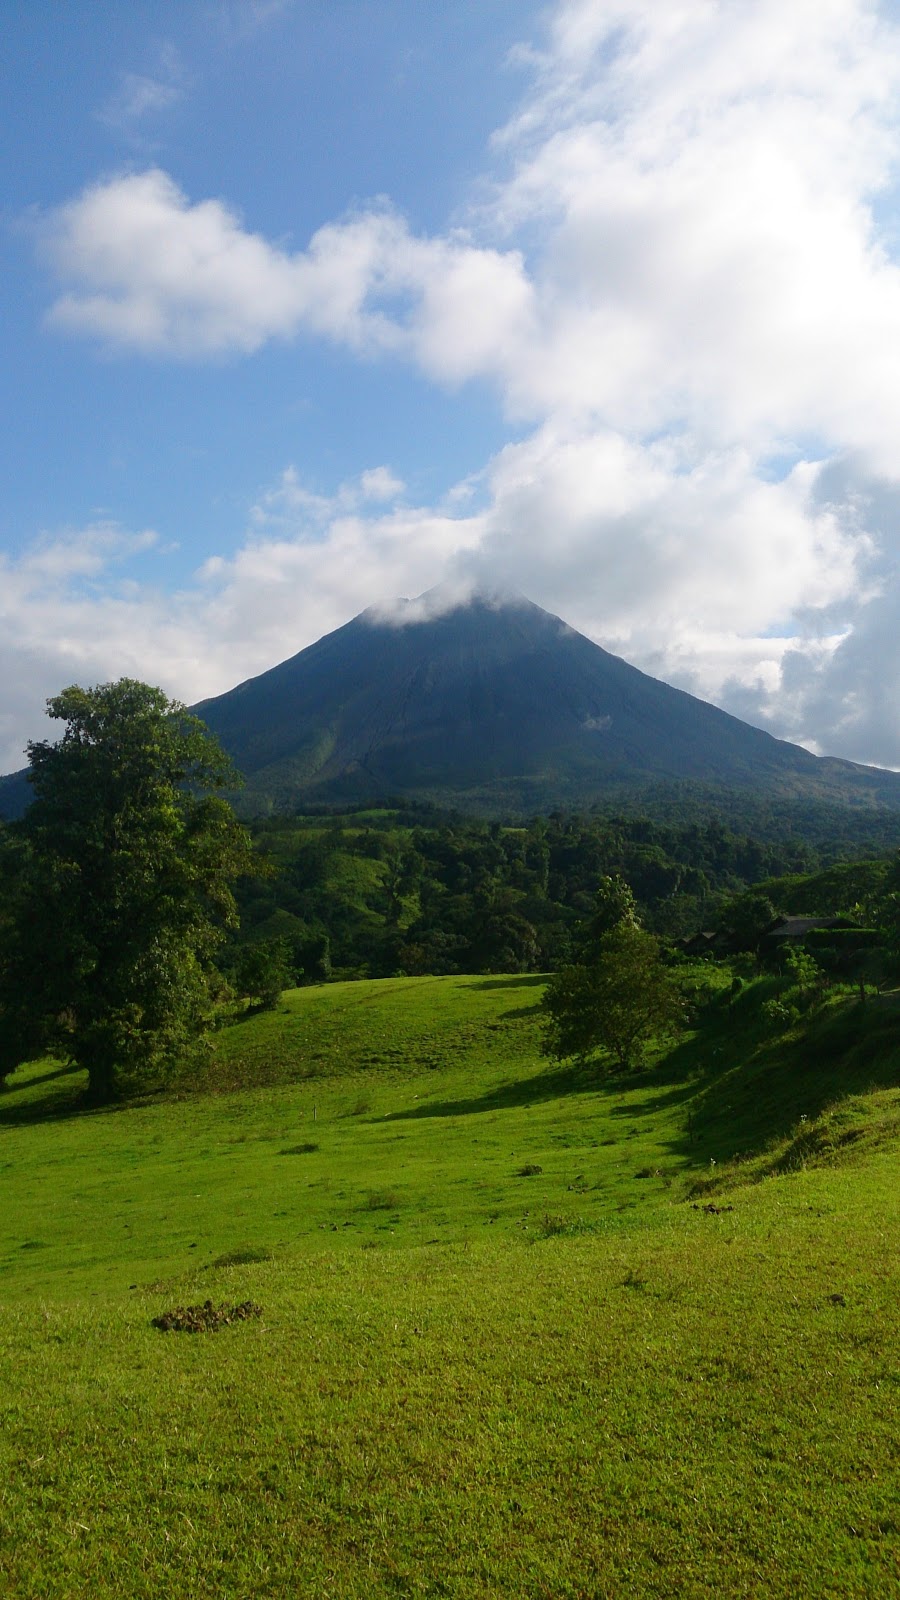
{"points": [[15, 795], [495, 706], [513, 1329]]}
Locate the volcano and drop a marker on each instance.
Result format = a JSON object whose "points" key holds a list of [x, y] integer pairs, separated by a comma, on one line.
{"points": [[494, 705]]}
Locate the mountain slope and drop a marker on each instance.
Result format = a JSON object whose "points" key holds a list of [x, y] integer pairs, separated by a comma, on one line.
{"points": [[15, 796], [491, 705]]}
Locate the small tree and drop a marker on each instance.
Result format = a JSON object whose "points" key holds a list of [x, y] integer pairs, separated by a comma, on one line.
{"points": [[803, 969], [122, 890], [263, 972], [615, 1003]]}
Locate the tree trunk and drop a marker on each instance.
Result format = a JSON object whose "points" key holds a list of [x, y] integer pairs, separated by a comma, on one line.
{"points": [[101, 1089]]}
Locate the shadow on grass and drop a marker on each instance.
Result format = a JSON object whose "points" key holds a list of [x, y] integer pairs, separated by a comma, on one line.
{"points": [[511, 980], [760, 1089], [38, 1079], [558, 1084], [236, 1019], [550, 1085], [25, 1104], [740, 1089]]}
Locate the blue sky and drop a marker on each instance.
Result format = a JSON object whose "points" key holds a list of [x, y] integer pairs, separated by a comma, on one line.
{"points": [[293, 115], [307, 305]]}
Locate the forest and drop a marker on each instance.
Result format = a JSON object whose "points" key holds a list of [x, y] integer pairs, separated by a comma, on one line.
{"points": [[410, 890]]}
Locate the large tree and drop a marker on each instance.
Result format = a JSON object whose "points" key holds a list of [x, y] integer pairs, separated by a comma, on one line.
{"points": [[119, 891]]}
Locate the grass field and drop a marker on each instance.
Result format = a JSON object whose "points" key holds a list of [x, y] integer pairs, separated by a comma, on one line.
{"points": [[522, 1332]]}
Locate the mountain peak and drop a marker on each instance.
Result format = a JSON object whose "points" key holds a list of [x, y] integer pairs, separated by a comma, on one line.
{"points": [[454, 594]]}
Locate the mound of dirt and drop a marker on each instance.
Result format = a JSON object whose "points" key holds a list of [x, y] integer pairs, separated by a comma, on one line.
{"points": [[205, 1318]]}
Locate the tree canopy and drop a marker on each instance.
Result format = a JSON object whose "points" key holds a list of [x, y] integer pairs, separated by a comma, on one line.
{"points": [[614, 907], [118, 889]]}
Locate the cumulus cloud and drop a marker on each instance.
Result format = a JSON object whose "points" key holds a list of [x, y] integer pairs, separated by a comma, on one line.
{"points": [[701, 573], [152, 271], [313, 561], [697, 185], [309, 561], [679, 274], [706, 176]]}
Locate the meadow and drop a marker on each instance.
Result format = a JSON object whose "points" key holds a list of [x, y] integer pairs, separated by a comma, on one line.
{"points": [[522, 1330]]}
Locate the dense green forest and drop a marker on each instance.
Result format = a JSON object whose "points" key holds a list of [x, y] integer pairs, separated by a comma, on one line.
{"points": [[409, 889]]}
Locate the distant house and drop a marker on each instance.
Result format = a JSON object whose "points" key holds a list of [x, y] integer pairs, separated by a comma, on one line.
{"points": [[708, 942], [784, 931], [793, 930]]}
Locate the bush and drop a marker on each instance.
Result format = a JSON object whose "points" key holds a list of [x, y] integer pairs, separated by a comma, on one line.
{"points": [[780, 1014], [263, 971]]}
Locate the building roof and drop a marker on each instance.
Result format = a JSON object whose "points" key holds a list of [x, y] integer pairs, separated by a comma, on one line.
{"points": [[797, 927]]}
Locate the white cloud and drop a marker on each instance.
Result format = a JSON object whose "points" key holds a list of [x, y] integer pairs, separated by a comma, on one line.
{"points": [[679, 274], [380, 483], [153, 272], [238, 20], [645, 542], [290, 505], [696, 184], [696, 610], [85, 553], [68, 612]]}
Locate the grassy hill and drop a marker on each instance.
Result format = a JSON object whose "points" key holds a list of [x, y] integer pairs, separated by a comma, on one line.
{"points": [[523, 1331]]}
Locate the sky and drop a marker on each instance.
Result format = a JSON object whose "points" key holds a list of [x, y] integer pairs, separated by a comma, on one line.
{"points": [[310, 304]]}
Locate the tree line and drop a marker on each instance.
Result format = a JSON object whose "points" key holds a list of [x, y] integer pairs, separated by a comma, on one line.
{"points": [[382, 892]]}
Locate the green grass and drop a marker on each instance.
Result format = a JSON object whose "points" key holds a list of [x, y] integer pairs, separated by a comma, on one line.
{"points": [[465, 1381]]}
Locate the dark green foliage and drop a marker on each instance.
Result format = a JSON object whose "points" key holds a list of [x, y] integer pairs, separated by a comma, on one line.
{"points": [[502, 941], [803, 970], [746, 919], [263, 971], [15, 796], [850, 887], [616, 1004], [614, 907], [840, 942], [408, 890], [120, 889]]}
